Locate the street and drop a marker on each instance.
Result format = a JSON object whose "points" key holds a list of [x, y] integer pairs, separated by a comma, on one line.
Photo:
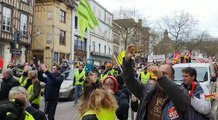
{"points": [[65, 111]]}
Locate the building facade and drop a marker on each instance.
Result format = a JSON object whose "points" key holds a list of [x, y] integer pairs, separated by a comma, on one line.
{"points": [[15, 16], [118, 42], [101, 38], [80, 46], [52, 31]]}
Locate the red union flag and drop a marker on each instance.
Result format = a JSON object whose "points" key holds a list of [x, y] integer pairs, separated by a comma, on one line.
{"points": [[177, 55]]}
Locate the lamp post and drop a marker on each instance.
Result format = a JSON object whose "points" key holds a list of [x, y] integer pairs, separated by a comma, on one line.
{"points": [[17, 37]]}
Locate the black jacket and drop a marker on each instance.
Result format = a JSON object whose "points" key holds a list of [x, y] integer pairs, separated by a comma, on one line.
{"points": [[145, 92], [6, 86], [17, 112], [53, 84], [37, 114], [123, 103]]}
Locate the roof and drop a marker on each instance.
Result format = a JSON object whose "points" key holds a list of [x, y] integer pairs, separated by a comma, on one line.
{"points": [[192, 65]]}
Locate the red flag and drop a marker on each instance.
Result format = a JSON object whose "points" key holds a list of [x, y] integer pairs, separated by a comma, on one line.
{"points": [[194, 84], [1, 62]]}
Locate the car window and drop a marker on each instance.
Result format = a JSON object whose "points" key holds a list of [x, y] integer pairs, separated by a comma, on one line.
{"points": [[202, 73], [71, 75]]}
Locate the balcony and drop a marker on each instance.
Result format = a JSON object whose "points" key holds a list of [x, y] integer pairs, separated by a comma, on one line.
{"points": [[101, 54]]}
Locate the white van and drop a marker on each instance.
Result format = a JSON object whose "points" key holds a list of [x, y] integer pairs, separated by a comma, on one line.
{"points": [[205, 76]]}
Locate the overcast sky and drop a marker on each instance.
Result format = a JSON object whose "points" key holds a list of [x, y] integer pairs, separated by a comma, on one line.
{"points": [[205, 11]]}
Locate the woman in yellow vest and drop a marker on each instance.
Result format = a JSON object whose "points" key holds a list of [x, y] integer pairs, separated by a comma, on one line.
{"points": [[34, 89], [96, 102]]}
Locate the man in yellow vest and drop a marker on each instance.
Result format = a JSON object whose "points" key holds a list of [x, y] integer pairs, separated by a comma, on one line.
{"points": [[145, 76], [108, 71], [78, 82]]}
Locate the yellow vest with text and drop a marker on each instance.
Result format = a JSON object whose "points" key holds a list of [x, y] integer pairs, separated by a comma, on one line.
{"points": [[145, 77], [23, 81], [30, 91], [103, 114], [78, 76]]}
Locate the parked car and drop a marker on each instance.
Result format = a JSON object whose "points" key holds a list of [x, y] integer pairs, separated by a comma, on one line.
{"points": [[67, 88], [206, 76]]}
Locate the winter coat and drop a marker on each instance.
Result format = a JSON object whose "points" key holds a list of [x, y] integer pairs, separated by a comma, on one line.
{"points": [[53, 84], [6, 86]]}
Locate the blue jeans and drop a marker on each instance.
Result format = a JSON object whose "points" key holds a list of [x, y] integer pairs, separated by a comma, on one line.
{"points": [[78, 92]]}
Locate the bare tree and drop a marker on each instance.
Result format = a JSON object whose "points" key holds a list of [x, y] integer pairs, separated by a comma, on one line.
{"points": [[180, 27], [197, 40], [126, 19]]}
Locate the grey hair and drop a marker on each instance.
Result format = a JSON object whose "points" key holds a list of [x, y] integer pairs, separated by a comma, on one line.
{"points": [[8, 70], [17, 90]]}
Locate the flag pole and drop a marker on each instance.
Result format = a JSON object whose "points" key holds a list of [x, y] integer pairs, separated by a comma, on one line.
{"points": [[111, 49]]}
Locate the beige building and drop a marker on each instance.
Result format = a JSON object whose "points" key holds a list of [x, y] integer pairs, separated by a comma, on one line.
{"points": [[117, 38], [52, 31], [15, 16]]}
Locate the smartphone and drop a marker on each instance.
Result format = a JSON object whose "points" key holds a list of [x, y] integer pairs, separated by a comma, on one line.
{"points": [[138, 48]]}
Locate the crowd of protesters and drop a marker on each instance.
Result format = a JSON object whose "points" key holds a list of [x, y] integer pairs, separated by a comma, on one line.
{"points": [[106, 92]]}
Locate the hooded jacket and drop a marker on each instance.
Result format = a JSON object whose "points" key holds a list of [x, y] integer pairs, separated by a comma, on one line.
{"points": [[122, 100]]}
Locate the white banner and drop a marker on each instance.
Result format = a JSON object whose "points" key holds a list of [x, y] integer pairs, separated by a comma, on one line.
{"points": [[158, 58]]}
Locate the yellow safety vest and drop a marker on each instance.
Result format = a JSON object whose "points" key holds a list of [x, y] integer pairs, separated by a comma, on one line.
{"points": [[78, 76], [103, 114], [30, 91], [28, 116], [111, 72], [145, 77], [23, 81]]}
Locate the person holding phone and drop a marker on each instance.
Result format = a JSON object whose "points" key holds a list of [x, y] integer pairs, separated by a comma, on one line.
{"points": [[163, 100], [53, 82]]}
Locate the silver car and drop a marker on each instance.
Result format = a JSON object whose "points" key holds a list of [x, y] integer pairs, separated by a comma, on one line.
{"points": [[67, 88]]}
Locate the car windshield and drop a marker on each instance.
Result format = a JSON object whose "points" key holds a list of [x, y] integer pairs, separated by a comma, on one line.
{"points": [[202, 73], [71, 75]]}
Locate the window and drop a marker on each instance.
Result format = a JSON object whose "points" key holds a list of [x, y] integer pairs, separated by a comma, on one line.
{"points": [[79, 44], [50, 14], [23, 24], [105, 49], [1, 50], [63, 16], [93, 46], [68, 56], [56, 57], [6, 23], [202, 74], [76, 22], [61, 57], [26, 1], [62, 40], [99, 48]]}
